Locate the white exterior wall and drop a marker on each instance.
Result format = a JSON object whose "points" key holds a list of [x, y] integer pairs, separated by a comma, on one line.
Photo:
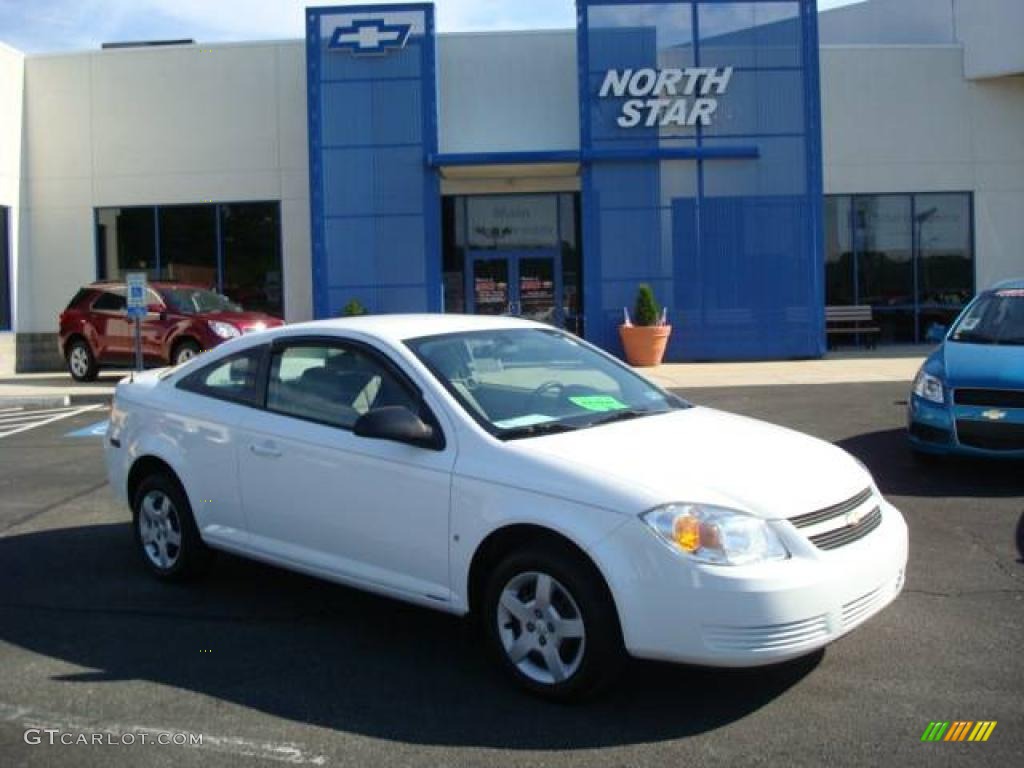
{"points": [[904, 119], [507, 91], [145, 126]]}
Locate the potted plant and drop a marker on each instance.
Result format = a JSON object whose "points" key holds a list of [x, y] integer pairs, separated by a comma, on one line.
{"points": [[645, 337], [353, 309]]}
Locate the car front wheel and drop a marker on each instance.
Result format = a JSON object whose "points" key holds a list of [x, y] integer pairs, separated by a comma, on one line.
{"points": [[81, 361], [551, 623]]}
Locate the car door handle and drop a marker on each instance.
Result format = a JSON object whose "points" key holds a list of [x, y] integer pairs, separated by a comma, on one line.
{"points": [[266, 449]]}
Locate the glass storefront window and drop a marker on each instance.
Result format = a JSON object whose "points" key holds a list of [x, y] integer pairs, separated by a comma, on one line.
{"points": [[126, 241], [5, 266], [909, 256], [234, 248], [188, 244], [251, 237]]}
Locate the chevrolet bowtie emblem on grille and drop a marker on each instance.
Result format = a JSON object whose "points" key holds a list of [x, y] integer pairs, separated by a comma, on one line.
{"points": [[854, 516], [993, 414], [371, 36]]}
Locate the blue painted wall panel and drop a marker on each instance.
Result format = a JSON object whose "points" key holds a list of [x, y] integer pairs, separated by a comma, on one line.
{"points": [[731, 245], [375, 204]]}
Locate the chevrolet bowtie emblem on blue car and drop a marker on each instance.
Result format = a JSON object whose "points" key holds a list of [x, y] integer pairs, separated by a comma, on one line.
{"points": [[372, 36], [994, 414]]}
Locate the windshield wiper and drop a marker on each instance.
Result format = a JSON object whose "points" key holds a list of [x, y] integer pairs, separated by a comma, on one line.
{"points": [[533, 430], [623, 415]]}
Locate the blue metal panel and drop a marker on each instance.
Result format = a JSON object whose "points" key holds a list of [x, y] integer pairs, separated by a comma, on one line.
{"points": [[731, 240], [374, 201]]}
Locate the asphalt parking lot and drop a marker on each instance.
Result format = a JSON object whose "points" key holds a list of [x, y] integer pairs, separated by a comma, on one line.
{"points": [[274, 667]]}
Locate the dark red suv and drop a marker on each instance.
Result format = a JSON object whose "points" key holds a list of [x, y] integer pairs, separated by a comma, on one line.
{"points": [[182, 321]]}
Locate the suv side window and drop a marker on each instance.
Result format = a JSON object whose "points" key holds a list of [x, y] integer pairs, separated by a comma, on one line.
{"points": [[332, 383], [235, 378], [110, 301]]}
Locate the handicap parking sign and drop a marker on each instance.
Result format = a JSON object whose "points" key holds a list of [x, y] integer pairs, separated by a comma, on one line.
{"points": [[136, 299]]}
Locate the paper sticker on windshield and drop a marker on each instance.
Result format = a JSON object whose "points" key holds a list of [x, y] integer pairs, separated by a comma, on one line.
{"points": [[523, 421], [598, 403]]}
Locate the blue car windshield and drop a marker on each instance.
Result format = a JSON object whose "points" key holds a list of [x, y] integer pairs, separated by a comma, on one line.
{"points": [[995, 318], [527, 382]]}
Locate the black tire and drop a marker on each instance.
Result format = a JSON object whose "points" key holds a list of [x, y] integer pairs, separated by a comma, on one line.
{"points": [[593, 661], [184, 351], [81, 361], [182, 560]]}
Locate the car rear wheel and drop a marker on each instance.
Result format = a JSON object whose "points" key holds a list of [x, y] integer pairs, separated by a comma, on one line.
{"points": [[81, 361], [551, 623], [184, 352], [165, 531]]}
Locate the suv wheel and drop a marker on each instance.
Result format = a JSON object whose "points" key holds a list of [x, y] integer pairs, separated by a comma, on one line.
{"points": [[185, 351], [165, 530], [551, 623], [81, 361]]}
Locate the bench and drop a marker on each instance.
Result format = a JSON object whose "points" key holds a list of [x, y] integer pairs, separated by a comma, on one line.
{"points": [[856, 320]]}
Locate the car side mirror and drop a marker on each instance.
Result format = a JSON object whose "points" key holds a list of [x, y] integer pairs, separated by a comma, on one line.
{"points": [[396, 423]]}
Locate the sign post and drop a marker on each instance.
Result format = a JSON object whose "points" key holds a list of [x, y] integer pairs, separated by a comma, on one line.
{"points": [[136, 306]]}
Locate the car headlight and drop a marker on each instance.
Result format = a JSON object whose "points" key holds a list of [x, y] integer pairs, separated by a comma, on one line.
{"points": [[715, 535], [928, 387], [224, 330]]}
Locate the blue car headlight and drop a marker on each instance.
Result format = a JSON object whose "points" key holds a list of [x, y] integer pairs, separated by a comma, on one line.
{"points": [[928, 387]]}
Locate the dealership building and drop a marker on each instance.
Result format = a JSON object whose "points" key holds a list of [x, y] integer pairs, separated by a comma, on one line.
{"points": [[754, 162]]}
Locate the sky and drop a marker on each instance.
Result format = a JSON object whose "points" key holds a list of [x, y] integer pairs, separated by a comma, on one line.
{"points": [[38, 26]]}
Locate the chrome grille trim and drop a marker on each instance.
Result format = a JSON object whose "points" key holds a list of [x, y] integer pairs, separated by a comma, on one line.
{"points": [[828, 513], [849, 533]]}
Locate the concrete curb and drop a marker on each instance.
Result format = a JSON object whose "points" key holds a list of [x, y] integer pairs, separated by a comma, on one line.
{"points": [[35, 401]]}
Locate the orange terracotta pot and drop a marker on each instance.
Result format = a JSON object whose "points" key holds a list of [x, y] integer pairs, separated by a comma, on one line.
{"points": [[644, 344]]}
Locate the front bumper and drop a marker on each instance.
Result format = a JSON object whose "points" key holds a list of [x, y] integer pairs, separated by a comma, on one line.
{"points": [[936, 428], [739, 616]]}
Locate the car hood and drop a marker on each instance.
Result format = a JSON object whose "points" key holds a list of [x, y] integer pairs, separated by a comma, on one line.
{"points": [[703, 455], [244, 319], [983, 365]]}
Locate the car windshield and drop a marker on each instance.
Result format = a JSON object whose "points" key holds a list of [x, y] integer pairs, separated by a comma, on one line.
{"points": [[197, 301], [996, 318], [527, 382]]}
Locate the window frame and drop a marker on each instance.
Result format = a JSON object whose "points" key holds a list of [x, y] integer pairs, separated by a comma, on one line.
{"points": [[424, 411], [192, 382], [110, 290]]}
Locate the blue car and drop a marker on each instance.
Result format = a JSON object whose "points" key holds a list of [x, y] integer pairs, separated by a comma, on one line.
{"points": [[968, 397]]}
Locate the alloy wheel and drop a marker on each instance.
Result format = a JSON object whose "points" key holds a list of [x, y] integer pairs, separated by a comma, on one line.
{"points": [[79, 360], [160, 529], [541, 628]]}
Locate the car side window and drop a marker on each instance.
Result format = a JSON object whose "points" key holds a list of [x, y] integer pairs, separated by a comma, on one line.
{"points": [[235, 378], [110, 301], [332, 384]]}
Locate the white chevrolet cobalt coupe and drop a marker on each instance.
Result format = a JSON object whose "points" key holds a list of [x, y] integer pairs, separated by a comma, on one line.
{"points": [[507, 469]]}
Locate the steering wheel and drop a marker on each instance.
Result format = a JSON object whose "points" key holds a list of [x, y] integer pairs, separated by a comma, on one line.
{"points": [[549, 389]]}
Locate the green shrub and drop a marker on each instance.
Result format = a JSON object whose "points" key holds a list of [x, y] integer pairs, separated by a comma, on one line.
{"points": [[353, 309], [647, 311]]}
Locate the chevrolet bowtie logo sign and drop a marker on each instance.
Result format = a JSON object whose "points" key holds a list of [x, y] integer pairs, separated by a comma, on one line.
{"points": [[371, 36], [994, 414]]}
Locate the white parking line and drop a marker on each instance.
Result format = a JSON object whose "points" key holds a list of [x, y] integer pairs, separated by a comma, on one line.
{"points": [[282, 752], [17, 425]]}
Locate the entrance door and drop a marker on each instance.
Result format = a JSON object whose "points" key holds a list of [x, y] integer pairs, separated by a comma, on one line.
{"points": [[519, 283]]}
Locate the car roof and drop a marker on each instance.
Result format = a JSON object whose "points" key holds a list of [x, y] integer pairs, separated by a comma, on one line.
{"points": [[1013, 284], [400, 327]]}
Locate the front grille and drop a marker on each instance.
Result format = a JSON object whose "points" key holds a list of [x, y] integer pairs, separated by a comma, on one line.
{"points": [[990, 435], [850, 533], [929, 434], [999, 398], [838, 510], [768, 637]]}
